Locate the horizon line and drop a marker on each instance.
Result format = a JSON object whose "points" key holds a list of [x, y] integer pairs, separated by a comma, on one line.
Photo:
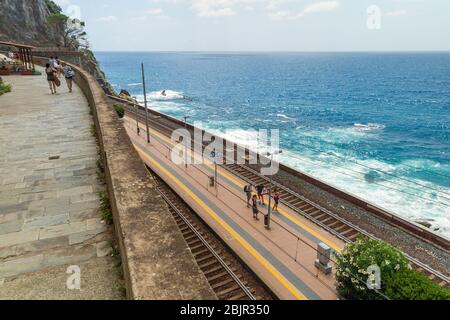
{"points": [[273, 51]]}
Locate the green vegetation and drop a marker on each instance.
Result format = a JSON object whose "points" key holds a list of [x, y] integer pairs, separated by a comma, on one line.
{"points": [[74, 36], [413, 285], [398, 281], [4, 88], [53, 7], [105, 207], [119, 110]]}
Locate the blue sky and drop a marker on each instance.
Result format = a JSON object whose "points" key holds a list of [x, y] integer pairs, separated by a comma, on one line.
{"points": [[264, 25]]}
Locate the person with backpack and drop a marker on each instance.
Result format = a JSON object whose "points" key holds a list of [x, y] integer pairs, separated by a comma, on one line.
{"points": [[255, 207], [248, 189], [68, 74], [276, 198], [260, 191]]}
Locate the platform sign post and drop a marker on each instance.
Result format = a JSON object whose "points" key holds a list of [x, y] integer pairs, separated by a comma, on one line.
{"points": [[138, 130], [145, 103], [269, 209], [185, 144], [214, 156]]}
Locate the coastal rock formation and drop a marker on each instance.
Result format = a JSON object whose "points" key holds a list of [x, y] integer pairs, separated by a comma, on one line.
{"points": [[25, 21]]}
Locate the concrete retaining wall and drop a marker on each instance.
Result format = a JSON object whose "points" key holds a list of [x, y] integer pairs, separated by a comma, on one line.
{"points": [[156, 260]]}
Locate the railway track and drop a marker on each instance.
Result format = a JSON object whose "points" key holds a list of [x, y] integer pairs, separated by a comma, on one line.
{"points": [[329, 221], [226, 277], [321, 216]]}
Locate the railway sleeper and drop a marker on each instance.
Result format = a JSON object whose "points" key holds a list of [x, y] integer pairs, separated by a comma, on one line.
{"points": [[229, 290], [240, 296], [222, 283], [216, 269], [205, 258], [218, 276]]}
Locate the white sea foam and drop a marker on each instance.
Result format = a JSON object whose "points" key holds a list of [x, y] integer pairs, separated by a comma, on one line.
{"points": [[134, 84], [367, 180], [170, 95], [370, 127], [281, 115]]}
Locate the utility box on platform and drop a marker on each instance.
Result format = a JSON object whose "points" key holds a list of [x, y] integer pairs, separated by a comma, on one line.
{"points": [[323, 262], [212, 182]]}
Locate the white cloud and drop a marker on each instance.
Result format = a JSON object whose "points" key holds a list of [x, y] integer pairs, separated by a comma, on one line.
{"points": [[322, 6], [214, 8], [396, 13], [154, 12], [317, 7], [107, 19]]}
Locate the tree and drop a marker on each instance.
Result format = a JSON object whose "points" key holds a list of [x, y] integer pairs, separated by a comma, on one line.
{"points": [[73, 34]]}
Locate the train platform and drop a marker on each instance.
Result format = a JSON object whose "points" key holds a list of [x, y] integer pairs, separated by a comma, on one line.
{"points": [[282, 257]]}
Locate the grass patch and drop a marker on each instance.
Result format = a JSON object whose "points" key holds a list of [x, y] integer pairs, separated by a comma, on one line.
{"points": [[105, 208], [119, 110], [4, 88], [93, 131]]}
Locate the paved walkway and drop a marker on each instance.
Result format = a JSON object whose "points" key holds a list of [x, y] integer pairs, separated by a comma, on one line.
{"points": [[49, 202], [284, 256]]}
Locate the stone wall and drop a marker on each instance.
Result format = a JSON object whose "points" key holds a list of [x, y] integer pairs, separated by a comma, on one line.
{"points": [[157, 262]]}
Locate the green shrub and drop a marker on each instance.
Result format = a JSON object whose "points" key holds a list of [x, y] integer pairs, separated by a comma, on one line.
{"points": [[398, 281], [4, 88], [412, 285], [105, 207], [119, 110]]}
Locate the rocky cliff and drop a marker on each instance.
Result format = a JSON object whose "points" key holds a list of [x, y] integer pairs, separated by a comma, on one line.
{"points": [[25, 21]]}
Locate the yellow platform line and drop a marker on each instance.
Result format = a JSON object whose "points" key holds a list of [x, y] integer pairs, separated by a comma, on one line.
{"points": [[286, 283], [308, 229]]}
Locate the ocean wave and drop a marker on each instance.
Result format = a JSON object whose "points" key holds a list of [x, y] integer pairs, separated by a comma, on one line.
{"points": [[281, 115], [170, 95], [134, 84], [370, 127]]}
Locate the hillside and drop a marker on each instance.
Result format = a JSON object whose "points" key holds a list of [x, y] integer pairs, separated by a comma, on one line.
{"points": [[25, 21]]}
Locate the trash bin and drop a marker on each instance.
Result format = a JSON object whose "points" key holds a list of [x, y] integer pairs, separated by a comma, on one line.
{"points": [[266, 220]]}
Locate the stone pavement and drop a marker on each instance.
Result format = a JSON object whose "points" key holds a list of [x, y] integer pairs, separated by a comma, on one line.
{"points": [[49, 202]]}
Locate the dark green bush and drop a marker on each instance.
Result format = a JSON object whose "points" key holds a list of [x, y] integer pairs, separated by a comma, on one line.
{"points": [[412, 285], [398, 281], [119, 110]]}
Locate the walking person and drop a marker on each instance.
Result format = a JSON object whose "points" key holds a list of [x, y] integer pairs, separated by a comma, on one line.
{"points": [[260, 191], [51, 62], [255, 207], [276, 198], [68, 75], [248, 189], [51, 77]]}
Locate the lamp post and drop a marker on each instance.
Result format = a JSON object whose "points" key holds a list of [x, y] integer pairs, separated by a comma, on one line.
{"points": [[269, 209], [138, 130], [185, 144], [145, 103]]}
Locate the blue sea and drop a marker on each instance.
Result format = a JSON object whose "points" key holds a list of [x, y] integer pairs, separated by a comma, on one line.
{"points": [[374, 124]]}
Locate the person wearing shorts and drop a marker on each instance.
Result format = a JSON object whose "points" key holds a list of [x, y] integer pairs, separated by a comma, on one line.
{"points": [[260, 191], [276, 198], [68, 75], [255, 207], [51, 77], [249, 192]]}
